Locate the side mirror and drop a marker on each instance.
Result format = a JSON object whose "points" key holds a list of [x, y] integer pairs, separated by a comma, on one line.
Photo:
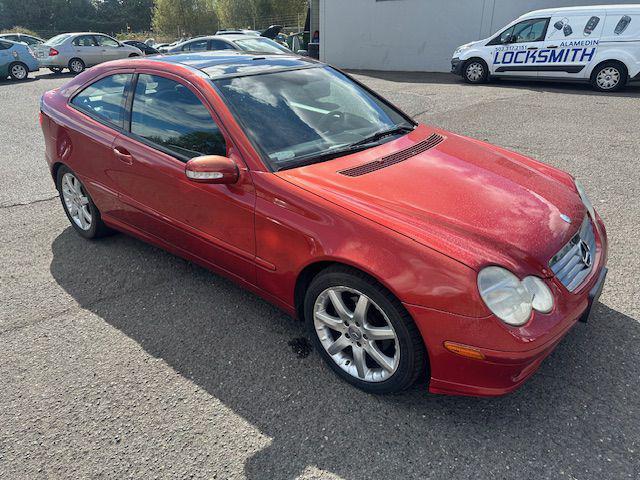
{"points": [[303, 53], [510, 39], [212, 169]]}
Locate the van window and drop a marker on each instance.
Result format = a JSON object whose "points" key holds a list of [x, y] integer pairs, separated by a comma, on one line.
{"points": [[532, 30], [170, 115]]}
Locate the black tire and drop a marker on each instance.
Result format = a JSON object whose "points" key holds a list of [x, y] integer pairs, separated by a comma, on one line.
{"points": [[412, 360], [18, 71], [56, 70], [604, 73], [76, 65], [475, 71], [97, 228]]}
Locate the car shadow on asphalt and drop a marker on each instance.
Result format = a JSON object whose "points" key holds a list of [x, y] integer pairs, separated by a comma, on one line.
{"points": [[436, 78], [580, 408]]}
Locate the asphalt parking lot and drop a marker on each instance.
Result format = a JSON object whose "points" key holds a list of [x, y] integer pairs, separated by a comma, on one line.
{"points": [[119, 360]]}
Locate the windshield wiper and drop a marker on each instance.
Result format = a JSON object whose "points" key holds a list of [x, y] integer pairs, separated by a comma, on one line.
{"points": [[360, 145], [384, 133], [323, 157]]}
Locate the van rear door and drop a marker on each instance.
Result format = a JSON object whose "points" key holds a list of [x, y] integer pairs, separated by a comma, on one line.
{"points": [[514, 51], [571, 45]]}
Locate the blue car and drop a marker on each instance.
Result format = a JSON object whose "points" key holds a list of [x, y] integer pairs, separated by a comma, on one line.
{"points": [[16, 60]]}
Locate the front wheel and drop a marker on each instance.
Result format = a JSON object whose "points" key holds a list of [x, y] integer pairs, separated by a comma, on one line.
{"points": [[475, 71], [56, 70], [18, 71], [362, 331], [78, 205], [609, 77]]}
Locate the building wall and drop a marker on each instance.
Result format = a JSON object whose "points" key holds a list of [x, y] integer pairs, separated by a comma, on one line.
{"points": [[415, 35]]}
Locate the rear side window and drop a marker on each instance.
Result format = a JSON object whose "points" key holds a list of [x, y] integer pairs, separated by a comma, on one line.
{"points": [[197, 46], [13, 38], [105, 98], [5, 45], [170, 115], [85, 41], [220, 45]]}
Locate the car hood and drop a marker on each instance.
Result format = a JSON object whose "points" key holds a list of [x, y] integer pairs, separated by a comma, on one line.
{"points": [[469, 200]]}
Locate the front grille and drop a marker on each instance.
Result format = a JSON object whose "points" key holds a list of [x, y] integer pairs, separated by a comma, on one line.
{"points": [[394, 158], [573, 263]]}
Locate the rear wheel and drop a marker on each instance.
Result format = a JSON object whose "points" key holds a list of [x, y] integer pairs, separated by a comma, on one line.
{"points": [[609, 77], [56, 70], [18, 71], [76, 65], [362, 331], [475, 71], [78, 205]]}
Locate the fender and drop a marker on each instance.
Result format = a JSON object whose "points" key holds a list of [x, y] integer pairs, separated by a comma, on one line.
{"points": [[612, 51]]}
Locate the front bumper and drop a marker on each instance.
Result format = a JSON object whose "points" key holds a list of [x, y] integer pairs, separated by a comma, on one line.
{"points": [[511, 354], [456, 66]]}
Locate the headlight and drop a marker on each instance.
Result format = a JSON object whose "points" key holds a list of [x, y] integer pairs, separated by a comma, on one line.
{"points": [[585, 199], [510, 299]]}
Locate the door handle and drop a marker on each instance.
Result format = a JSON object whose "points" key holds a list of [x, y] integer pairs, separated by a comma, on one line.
{"points": [[552, 46], [123, 155], [532, 48]]}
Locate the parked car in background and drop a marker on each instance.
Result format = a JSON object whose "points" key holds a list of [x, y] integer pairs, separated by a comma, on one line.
{"points": [[241, 42], [408, 250], [22, 38], [16, 60], [144, 48], [77, 51], [238, 32], [596, 44]]}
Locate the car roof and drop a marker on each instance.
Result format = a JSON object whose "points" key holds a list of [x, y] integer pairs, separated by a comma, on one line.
{"points": [[226, 63], [587, 9]]}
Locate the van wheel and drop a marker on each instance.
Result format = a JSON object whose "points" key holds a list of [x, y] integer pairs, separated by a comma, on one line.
{"points": [[609, 77], [18, 71], [475, 71], [76, 65]]}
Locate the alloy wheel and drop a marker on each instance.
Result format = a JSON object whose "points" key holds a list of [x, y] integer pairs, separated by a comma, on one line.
{"points": [[608, 78], [19, 72], [76, 201], [356, 333]]}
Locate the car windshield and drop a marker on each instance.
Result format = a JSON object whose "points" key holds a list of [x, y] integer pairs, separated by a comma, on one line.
{"points": [[298, 117], [57, 40], [261, 45]]}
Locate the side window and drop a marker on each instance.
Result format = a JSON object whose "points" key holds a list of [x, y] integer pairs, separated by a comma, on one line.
{"points": [[523, 32], [104, 41], [84, 41], [169, 114], [4, 45], [105, 98], [197, 46], [220, 45], [13, 38]]}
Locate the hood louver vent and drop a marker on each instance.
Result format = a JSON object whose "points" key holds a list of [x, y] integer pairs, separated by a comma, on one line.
{"points": [[394, 158]]}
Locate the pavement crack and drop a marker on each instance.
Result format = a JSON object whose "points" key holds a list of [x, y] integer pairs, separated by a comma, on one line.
{"points": [[23, 204]]}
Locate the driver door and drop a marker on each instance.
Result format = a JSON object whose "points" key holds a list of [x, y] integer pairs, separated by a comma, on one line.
{"points": [[515, 52]]}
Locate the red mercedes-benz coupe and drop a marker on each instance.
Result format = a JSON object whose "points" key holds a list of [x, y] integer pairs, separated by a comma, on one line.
{"points": [[407, 250]]}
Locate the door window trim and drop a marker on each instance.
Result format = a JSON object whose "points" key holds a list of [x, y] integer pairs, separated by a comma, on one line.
{"points": [[496, 40], [229, 145]]}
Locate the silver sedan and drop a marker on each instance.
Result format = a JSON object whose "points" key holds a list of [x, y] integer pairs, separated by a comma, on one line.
{"points": [[77, 51]]}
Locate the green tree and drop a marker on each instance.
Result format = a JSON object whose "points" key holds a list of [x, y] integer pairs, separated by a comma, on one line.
{"points": [[185, 17]]}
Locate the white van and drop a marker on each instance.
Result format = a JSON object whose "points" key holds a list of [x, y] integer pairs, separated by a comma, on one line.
{"points": [[597, 44]]}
